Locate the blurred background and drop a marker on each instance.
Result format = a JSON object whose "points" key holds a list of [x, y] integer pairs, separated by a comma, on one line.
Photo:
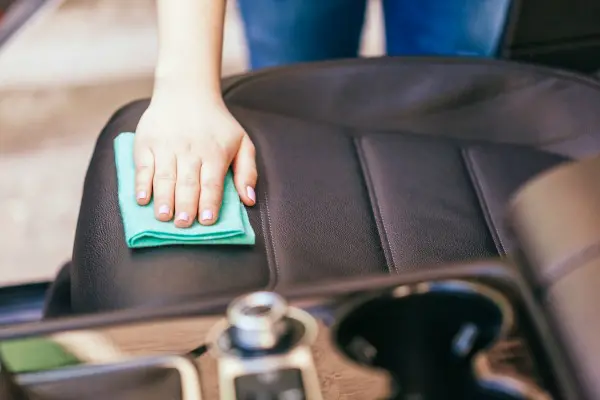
{"points": [[61, 77]]}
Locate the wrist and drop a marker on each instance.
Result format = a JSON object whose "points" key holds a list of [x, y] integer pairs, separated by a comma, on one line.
{"points": [[187, 86]]}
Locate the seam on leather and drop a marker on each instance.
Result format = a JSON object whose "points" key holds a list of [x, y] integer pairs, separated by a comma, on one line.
{"points": [[483, 205], [388, 252], [570, 264], [352, 131], [267, 73], [405, 131], [269, 245]]}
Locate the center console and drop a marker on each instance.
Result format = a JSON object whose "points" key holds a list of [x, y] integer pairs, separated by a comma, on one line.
{"points": [[468, 332], [446, 339]]}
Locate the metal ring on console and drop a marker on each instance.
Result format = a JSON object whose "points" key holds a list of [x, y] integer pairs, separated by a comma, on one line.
{"points": [[220, 327], [454, 286], [258, 319]]}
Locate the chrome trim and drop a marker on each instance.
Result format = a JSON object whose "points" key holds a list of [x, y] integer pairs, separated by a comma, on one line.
{"points": [[463, 342], [453, 286], [215, 334], [263, 329]]}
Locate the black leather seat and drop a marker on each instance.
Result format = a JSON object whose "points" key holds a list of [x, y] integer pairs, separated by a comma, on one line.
{"points": [[366, 166]]}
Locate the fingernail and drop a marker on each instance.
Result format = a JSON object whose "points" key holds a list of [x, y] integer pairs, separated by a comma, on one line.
{"points": [[251, 193], [164, 210], [183, 216], [141, 195], [207, 215]]}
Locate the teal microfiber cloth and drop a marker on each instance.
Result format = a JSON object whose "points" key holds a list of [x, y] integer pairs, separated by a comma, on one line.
{"points": [[142, 229]]}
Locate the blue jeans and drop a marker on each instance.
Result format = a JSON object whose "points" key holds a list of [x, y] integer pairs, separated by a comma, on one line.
{"points": [[288, 31]]}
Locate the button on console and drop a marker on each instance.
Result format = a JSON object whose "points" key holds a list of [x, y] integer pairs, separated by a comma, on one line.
{"points": [[285, 384]]}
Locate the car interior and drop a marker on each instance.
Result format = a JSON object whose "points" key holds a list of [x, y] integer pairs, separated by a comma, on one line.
{"points": [[426, 228]]}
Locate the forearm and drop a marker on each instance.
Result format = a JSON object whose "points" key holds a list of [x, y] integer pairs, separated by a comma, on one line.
{"points": [[190, 36]]}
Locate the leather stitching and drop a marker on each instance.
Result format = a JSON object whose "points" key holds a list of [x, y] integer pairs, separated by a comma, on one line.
{"points": [[570, 264], [377, 215], [355, 130], [483, 205], [269, 245]]}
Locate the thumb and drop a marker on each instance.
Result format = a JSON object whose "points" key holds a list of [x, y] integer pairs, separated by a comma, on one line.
{"points": [[244, 171]]}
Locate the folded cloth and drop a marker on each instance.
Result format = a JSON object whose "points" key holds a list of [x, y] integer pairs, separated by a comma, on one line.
{"points": [[35, 354], [142, 229]]}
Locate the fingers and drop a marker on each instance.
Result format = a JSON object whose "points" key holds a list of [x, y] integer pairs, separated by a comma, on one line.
{"points": [[165, 173], [144, 173], [187, 190], [212, 178], [245, 173]]}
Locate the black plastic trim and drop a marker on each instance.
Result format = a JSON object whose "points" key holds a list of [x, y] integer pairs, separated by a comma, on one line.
{"points": [[22, 303]]}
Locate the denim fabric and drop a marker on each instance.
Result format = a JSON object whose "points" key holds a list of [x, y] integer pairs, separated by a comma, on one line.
{"points": [[288, 31]]}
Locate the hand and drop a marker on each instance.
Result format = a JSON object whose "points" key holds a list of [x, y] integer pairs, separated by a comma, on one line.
{"points": [[184, 146]]}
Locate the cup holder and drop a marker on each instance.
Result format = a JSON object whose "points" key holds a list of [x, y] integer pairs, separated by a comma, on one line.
{"points": [[426, 335]]}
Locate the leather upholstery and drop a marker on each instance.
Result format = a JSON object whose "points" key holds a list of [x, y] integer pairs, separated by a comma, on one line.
{"points": [[366, 166], [557, 219]]}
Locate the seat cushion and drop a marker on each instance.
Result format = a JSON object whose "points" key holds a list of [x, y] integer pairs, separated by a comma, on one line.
{"points": [[366, 166]]}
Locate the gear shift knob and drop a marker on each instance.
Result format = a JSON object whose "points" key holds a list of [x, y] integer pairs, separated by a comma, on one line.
{"points": [[258, 320], [263, 348]]}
